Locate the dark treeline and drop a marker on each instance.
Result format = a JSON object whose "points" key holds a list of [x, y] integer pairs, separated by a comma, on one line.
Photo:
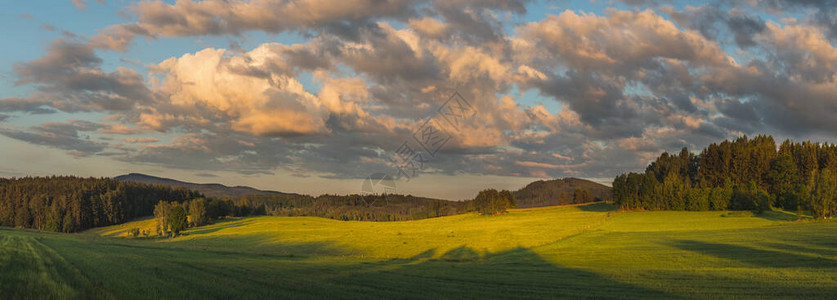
{"points": [[744, 174], [70, 204], [339, 207], [391, 207]]}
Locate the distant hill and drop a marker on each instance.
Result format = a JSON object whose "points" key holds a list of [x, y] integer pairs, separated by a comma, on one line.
{"points": [[558, 192], [207, 189]]}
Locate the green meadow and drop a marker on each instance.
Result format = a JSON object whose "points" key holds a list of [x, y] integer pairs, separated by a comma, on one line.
{"points": [[575, 252]]}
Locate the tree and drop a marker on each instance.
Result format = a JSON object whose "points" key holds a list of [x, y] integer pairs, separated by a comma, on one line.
{"points": [[162, 213], [750, 197], [784, 182], [177, 219], [697, 199], [720, 196], [823, 194], [581, 196], [505, 194], [197, 212]]}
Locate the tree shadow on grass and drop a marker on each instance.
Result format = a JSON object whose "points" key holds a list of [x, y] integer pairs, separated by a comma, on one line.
{"points": [[224, 224], [758, 257], [424, 255], [460, 254], [780, 215], [803, 249], [517, 273], [598, 207]]}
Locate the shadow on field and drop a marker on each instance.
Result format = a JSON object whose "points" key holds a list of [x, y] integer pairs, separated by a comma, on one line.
{"points": [[463, 273], [264, 244], [221, 224], [598, 207], [460, 254], [779, 215], [802, 249], [770, 258]]}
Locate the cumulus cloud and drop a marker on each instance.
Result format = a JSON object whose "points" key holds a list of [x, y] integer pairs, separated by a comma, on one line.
{"points": [[627, 84]]}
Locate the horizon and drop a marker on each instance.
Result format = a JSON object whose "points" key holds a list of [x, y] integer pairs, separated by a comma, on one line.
{"points": [[448, 98]]}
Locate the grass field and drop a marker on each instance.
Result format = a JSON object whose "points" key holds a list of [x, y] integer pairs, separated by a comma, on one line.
{"points": [[577, 252]]}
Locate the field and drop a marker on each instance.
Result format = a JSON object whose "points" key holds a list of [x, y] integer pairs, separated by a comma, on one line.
{"points": [[578, 252]]}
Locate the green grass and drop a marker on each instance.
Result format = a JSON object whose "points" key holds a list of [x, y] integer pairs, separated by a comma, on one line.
{"points": [[574, 252]]}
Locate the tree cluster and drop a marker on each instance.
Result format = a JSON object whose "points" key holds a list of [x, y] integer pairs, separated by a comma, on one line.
{"points": [[744, 174], [493, 202], [70, 204]]}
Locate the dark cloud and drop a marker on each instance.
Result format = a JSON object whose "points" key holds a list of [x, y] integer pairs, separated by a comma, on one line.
{"points": [[744, 28], [217, 17], [70, 79], [35, 105], [823, 13], [66, 136], [718, 20], [475, 20]]}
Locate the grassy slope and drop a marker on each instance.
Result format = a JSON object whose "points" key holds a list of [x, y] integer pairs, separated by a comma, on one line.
{"points": [[541, 253]]}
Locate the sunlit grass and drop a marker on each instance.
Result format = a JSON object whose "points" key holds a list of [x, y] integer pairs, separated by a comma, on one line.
{"points": [[575, 252]]}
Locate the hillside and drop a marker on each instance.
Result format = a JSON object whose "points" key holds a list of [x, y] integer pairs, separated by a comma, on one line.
{"points": [[207, 189], [558, 192], [580, 252]]}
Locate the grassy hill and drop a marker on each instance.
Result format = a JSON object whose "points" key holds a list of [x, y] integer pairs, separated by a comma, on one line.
{"points": [[558, 192], [207, 189], [578, 252]]}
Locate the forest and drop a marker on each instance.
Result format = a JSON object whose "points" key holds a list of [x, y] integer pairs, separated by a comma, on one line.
{"points": [[70, 204], [742, 174]]}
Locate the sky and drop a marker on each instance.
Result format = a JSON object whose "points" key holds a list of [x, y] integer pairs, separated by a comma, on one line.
{"points": [[446, 98]]}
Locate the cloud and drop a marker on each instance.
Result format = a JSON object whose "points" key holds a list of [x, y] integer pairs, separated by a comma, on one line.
{"points": [[67, 136], [71, 78], [217, 17], [140, 140], [80, 4], [718, 21], [603, 56], [274, 104], [820, 13], [627, 84]]}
